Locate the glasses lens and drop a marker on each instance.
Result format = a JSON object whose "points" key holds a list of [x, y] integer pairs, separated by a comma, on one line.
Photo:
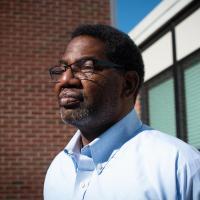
{"points": [[56, 73], [80, 69], [83, 68], [87, 66]]}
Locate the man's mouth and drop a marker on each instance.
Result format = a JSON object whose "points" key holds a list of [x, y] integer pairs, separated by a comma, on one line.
{"points": [[69, 102], [70, 99]]}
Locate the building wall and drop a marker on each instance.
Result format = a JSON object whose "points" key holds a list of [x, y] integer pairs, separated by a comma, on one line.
{"points": [[33, 34], [170, 46], [187, 35], [159, 55]]}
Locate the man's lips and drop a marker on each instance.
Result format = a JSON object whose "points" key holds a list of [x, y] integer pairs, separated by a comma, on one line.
{"points": [[69, 98]]}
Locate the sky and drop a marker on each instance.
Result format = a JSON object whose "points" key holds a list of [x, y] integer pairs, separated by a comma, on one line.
{"points": [[130, 12]]}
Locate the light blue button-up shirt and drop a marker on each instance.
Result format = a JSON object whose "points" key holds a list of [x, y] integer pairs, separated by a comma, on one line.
{"points": [[130, 161]]}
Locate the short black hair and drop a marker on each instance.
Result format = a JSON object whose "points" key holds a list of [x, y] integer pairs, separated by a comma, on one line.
{"points": [[120, 48]]}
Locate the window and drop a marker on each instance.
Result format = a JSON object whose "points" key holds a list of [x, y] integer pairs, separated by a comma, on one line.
{"points": [[192, 98], [161, 107], [171, 97], [159, 103]]}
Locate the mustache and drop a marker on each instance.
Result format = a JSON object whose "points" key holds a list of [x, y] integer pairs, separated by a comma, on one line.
{"points": [[71, 93]]}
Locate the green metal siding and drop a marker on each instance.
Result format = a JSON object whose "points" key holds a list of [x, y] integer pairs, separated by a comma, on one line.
{"points": [[192, 91], [162, 107]]}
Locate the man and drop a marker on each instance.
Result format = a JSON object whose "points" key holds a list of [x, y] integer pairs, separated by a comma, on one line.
{"points": [[113, 155]]}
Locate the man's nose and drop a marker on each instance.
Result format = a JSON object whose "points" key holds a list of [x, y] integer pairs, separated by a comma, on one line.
{"points": [[68, 80]]}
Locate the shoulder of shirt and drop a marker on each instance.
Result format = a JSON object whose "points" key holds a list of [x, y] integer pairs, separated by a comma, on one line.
{"points": [[154, 142], [150, 142]]}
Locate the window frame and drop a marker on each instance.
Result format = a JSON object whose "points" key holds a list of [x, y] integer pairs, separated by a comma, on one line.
{"points": [[176, 71]]}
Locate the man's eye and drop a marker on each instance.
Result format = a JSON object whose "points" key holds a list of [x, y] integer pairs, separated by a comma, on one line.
{"points": [[85, 66], [88, 64], [63, 66], [58, 70]]}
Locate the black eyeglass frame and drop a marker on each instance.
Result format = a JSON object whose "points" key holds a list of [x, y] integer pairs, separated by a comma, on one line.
{"points": [[97, 64]]}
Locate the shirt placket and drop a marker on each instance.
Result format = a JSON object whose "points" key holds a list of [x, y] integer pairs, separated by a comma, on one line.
{"points": [[84, 173]]}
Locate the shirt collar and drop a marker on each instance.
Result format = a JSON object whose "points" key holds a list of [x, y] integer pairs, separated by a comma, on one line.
{"points": [[109, 142], [74, 144]]}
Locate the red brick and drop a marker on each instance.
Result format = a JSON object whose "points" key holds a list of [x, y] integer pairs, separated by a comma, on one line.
{"points": [[33, 36]]}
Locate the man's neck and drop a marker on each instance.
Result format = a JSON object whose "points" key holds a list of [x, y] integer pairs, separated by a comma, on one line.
{"points": [[90, 131]]}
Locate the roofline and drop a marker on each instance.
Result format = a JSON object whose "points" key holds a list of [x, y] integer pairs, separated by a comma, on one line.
{"points": [[159, 16]]}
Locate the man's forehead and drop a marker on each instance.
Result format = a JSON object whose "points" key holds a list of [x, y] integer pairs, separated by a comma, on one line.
{"points": [[86, 41], [84, 46]]}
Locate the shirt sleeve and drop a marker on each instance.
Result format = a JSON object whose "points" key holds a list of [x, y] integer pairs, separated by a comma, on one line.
{"points": [[188, 180]]}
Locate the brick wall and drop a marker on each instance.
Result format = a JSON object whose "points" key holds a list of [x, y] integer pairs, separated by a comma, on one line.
{"points": [[33, 35]]}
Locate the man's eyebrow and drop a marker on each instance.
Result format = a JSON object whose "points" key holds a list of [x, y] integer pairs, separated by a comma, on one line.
{"points": [[62, 62], [82, 58]]}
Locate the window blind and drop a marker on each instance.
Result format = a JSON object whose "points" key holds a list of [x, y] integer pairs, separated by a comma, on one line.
{"points": [[192, 93], [162, 107]]}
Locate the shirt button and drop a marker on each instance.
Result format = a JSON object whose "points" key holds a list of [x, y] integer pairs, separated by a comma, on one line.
{"points": [[83, 185], [99, 168]]}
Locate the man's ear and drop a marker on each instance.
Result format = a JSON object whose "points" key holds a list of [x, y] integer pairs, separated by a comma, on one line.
{"points": [[131, 84]]}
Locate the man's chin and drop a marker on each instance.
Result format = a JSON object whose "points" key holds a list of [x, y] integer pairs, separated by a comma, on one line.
{"points": [[73, 116]]}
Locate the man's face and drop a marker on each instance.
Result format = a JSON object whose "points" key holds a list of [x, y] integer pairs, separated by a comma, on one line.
{"points": [[93, 101]]}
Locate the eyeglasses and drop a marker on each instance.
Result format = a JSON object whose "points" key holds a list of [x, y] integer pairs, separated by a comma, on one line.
{"points": [[82, 68]]}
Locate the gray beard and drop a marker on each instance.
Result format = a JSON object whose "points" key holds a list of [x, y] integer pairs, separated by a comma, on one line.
{"points": [[79, 117], [93, 115]]}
